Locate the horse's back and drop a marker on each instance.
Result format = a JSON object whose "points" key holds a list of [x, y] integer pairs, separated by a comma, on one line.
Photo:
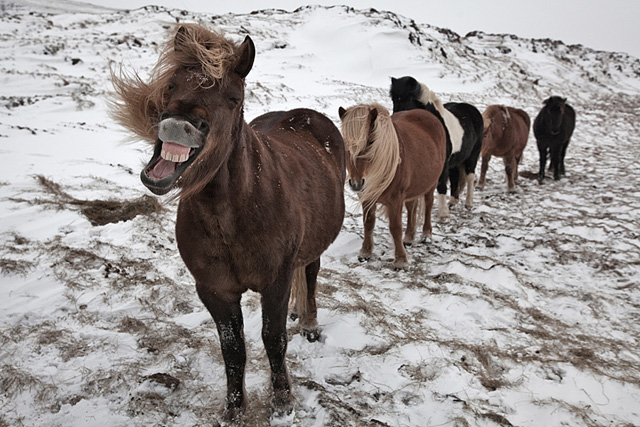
{"points": [[419, 122], [423, 140], [303, 126], [511, 131]]}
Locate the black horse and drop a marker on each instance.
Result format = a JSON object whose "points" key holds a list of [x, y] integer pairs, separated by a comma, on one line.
{"points": [[553, 128], [464, 126]]}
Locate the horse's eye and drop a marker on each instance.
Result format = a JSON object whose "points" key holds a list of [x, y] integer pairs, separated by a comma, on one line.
{"points": [[234, 101]]}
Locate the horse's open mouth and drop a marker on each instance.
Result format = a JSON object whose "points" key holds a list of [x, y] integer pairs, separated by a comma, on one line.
{"points": [[178, 146]]}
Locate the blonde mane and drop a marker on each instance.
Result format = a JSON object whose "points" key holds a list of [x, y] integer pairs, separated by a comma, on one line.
{"points": [[383, 154], [450, 121], [136, 104]]}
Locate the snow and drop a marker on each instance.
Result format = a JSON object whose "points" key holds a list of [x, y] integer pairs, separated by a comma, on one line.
{"points": [[522, 311]]}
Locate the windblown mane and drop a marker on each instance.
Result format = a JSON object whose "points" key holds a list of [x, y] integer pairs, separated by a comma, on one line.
{"points": [[383, 154], [450, 121], [136, 104]]}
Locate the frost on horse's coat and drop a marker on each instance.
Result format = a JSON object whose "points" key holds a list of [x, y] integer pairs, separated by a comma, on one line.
{"points": [[236, 229]]}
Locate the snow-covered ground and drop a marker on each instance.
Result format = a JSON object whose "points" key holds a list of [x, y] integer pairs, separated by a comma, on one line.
{"points": [[523, 311]]}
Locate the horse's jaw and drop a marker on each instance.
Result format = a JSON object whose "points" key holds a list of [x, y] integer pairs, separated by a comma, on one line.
{"points": [[179, 144]]}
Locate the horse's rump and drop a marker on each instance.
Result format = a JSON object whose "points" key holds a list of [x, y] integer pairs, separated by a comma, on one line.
{"points": [[423, 150], [303, 157]]}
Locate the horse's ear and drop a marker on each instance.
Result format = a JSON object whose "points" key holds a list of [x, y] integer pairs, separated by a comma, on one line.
{"points": [[341, 112], [246, 55], [373, 115], [179, 39]]}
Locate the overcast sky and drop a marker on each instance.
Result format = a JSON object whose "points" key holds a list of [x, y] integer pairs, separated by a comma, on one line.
{"points": [[611, 25]]}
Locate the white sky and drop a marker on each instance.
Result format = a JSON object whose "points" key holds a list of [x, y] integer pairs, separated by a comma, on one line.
{"points": [[605, 25]]}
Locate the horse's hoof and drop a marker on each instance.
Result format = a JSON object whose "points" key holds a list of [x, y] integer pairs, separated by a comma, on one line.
{"points": [[312, 335], [400, 265], [363, 258], [407, 244], [293, 316], [282, 406], [231, 415]]}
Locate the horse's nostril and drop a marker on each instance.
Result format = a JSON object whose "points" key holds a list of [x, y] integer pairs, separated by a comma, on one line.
{"points": [[202, 126]]}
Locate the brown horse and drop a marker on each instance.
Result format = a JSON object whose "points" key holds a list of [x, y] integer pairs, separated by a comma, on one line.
{"points": [[393, 160], [258, 202], [506, 131]]}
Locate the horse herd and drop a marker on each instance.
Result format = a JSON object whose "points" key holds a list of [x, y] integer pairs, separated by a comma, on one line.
{"points": [[260, 202]]}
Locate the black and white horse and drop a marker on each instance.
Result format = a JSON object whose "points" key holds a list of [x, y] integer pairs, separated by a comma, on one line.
{"points": [[464, 126], [553, 128]]}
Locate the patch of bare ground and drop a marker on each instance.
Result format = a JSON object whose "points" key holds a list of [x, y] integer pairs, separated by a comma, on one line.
{"points": [[98, 212]]}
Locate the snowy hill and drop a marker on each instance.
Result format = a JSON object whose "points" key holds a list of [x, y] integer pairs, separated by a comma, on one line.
{"points": [[522, 311]]}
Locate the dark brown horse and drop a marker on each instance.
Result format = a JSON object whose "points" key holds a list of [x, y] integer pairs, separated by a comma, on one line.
{"points": [[393, 160], [258, 202], [506, 131]]}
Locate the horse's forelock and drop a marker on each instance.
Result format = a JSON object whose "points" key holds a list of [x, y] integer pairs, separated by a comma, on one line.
{"points": [[136, 104], [355, 129], [384, 153], [194, 45]]}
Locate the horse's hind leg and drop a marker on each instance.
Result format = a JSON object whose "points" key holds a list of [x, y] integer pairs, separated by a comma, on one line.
{"points": [[428, 206], [443, 208], [510, 170], [274, 335], [410, 232], [306, 303], [556, 151], [395, 228], [228, 318]]}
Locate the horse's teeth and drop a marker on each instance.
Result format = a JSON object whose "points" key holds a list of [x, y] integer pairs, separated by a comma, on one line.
{"points": [[176, 158]]}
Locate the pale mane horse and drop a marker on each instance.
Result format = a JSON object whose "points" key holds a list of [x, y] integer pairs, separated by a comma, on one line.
{"points": [[393, 160]]}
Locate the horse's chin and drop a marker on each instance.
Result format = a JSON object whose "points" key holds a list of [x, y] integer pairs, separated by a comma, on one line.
{"points": [[160, 175]]}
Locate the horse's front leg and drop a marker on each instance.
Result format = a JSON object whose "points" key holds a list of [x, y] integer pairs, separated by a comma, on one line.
{"points": [[228, 318], [369, 219], [274, 336], [454, 180], [410, 232], [556, 151], [395, 228], [443, 207], [542, 149], [484, 167]]}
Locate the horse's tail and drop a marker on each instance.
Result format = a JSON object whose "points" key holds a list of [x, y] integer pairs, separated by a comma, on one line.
{"points": [[298, 301]]}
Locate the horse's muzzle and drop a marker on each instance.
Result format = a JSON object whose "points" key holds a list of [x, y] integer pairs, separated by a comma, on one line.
{"points": [[181, 132], [356, 185]]}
